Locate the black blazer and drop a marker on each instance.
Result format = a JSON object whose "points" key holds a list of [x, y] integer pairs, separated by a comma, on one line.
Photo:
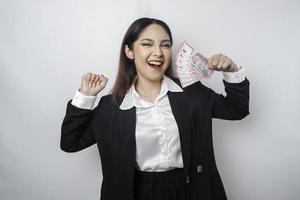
{"points": [[113, 130]]}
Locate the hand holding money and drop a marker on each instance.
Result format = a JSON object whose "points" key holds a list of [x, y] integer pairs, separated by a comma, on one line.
{"points": [[191, 65], [220, 62]]}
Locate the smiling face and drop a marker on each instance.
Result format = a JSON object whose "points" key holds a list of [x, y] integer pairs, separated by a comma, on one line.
{"points": [[151, 53]]}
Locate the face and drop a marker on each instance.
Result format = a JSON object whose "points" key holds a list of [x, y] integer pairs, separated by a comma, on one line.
{"points": [[151, 53]]}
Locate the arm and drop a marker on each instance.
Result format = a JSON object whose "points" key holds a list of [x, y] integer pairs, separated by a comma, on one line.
{"points": [[76, 132], [235, 105]]}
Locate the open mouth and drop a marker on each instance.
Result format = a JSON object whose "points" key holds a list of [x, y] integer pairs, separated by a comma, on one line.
{"points": [[155, 64]]}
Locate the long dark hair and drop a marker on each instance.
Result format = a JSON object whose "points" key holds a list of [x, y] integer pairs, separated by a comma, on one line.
{"points": [[127, 71]]}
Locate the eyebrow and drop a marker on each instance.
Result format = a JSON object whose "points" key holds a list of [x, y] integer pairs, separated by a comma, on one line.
{"points": [[165, 40]]}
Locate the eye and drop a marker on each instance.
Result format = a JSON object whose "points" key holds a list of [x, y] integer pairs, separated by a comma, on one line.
{"points": [[166, 45], [146, 44]]}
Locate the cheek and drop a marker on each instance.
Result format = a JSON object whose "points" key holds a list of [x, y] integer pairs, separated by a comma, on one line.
{"points": [[168, 52], [141, 55], [168, 55], [140, 59]]}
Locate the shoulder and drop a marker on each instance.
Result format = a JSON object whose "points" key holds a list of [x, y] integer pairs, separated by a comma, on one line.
{"points": [[106, 99]]}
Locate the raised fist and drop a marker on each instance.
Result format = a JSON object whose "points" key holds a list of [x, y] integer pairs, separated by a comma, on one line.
{"points": [[220, 62], [92, 84]]}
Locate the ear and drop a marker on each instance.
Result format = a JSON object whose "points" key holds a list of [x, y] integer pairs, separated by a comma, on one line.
{"points": [[128, 52]]}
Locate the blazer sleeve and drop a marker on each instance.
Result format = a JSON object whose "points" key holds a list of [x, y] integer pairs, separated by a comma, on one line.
{"points": [[233, 106], [76, 131]]}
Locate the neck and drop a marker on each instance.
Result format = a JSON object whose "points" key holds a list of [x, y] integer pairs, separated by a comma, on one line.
{"points": [[149, 90]]}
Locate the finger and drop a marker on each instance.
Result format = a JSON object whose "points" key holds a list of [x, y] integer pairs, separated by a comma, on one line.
{"points": [[93, 77], [98, 77], [96, 80], [210, 66], [103, 82], [86, 79], [87, 76], [213, 60], [216, 59], [226, 64], [221, 62], [102, 76], [90, 80], [101, 79], [209, 63], [215, 63]]}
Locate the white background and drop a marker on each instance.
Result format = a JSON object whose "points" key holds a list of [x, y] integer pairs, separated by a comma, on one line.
{"points": [[46, 46]]}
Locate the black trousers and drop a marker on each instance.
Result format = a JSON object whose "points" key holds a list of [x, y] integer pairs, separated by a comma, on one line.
{"points": [[167, 185]]}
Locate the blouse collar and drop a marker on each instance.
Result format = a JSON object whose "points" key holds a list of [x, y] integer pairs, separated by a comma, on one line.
{"points": [[132, 96]]}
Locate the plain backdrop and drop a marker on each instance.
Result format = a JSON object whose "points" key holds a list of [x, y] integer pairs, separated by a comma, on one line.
{"points": [[46, 46]]}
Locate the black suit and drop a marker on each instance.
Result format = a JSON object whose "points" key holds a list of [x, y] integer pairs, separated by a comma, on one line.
{"points": [[113, 130]]}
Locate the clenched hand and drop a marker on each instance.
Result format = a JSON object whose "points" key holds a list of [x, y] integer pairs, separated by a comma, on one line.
{"points": [[92, 84], [220, 62]]}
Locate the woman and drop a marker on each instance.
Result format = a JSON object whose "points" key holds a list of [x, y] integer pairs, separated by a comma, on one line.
{"points": [[154, 138]]}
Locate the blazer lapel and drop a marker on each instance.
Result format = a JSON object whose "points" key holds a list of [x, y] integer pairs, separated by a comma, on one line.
{"points": [[182, 114], [127, 123]]}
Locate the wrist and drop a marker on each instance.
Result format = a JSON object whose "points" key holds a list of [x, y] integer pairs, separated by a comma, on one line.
{"points": [[86, 93]]}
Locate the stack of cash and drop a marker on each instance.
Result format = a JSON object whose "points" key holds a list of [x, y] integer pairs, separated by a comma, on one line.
{"points": [[191, 65]]}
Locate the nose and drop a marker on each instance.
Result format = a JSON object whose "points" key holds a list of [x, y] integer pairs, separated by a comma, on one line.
{"points": [[157, 51]]}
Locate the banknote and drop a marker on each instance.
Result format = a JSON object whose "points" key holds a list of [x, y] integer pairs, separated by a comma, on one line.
{"points": [[191, 65]]}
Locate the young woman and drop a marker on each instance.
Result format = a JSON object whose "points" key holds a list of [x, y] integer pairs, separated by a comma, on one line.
{"points": [[154, 137]]}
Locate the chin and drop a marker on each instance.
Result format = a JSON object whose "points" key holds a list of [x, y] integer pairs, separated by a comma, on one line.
{"points": [[155, 77]]}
